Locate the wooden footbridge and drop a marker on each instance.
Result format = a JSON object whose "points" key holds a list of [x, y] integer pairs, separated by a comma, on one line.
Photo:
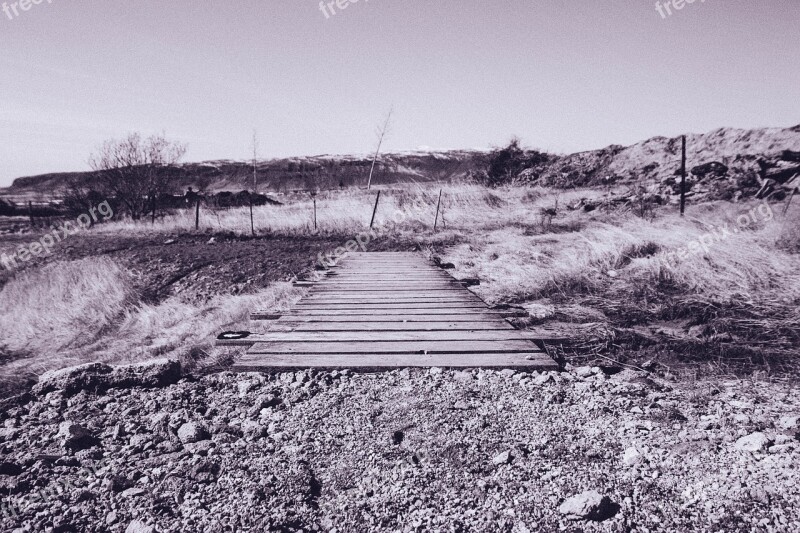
{"points": [[389, 310]]}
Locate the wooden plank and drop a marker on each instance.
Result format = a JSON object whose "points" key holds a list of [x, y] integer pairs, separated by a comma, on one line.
{"points": [[381, 307], [264, 315], [391, 326], [383, 291], [372, 280], [389, 279], [448, 346], [437, 335], [376, 362], [392, 296], [377, 305], [474, 318], [390, 314], [449, 293], [386, 267], [404, 286]]}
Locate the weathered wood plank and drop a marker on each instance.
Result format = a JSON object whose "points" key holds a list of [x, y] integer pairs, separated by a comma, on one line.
{"points": [[437, 335], [471, 317], [377, 362], [393, 296], [375, 280], [448, 346], [390, 314], [381, 286], [380, 307], [405, 286], [391, 326]]}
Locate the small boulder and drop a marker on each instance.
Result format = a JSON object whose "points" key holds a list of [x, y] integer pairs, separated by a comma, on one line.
{"points": [[99, 377], [76, 437], [590, 505], [789, 422], [541, 379], [72, 380], [253, 430], [201, 448], [133, 492], [192, 432], [137, 526], [755, 442], [150, 374], [502, 458], [631, 456]]}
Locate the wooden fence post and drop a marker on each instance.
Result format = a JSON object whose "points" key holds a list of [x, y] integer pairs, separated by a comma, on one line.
{"points": [[154, 209], [375, 210], [30, 213], [683, 175], [315, 214], [438, 204], [252, 224], [197, 214], [791, 197]]}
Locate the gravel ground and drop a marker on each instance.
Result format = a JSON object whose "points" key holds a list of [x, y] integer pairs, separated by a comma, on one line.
{"points": [[146, 449]]}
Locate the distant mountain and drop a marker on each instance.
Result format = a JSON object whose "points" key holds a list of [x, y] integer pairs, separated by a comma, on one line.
{"points": [[724, 163], [283, 175]]}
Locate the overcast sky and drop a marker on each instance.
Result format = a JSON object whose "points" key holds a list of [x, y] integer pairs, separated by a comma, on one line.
{"points": [[564, 75]]}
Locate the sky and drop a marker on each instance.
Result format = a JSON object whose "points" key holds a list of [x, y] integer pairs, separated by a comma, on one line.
{"points": [[563, 75]]}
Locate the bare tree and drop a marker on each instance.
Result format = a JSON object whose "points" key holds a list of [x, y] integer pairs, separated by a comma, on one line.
{"points": [[255, 167], [135, 171], [382, 131]]}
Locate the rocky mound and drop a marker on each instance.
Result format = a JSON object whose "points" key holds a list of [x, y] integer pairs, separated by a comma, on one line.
{"points": [[132, 449], [724, 164]]}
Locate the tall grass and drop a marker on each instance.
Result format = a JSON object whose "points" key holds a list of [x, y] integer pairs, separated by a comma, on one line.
{"points": [[62, 305], [68, 313]]}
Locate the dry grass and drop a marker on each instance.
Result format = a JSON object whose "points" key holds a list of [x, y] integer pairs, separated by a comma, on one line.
{"points": [[744, 289], [62, 305], [69, 313], [412, 208]]}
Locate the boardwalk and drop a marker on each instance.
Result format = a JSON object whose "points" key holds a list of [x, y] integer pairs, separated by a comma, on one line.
{"points": [[389, 310]]}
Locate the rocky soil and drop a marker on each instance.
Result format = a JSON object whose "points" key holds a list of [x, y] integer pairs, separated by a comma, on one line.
{"points": [[142, 449]]}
